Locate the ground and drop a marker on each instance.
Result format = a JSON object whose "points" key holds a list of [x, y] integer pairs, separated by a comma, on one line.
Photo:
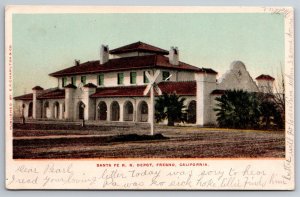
{"points": [[65, 141]]}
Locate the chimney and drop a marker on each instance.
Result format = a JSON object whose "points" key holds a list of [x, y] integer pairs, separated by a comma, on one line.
{"points": [[77, 62], [174, 56], [104, 54]]}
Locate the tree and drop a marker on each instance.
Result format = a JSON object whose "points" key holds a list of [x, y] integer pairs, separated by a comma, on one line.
{"points": [[270, 115], [279, 96], [274, 97], [170, 106], [238, 109]]}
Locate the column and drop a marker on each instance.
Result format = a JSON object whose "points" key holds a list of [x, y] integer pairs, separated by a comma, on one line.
{"points": [[108, 103], [61, 111], [121, 104]]}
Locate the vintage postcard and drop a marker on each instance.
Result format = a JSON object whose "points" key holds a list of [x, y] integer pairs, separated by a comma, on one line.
{"points": [[149, 98]]}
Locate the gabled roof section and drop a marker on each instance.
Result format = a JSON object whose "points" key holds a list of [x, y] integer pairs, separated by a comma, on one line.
{"points": [[139, 47], [128, 63], [183, 88]]}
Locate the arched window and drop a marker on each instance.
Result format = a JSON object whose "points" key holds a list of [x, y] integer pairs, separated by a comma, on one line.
{"points": [[56, 110], [115, 111], [30, 109], [102, 111], [46, 110], [143, 112], [191, 112], [128, 111], [80, 107]]}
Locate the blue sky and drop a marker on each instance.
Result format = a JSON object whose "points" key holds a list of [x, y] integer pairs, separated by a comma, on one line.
{"points": [[44, 43]]}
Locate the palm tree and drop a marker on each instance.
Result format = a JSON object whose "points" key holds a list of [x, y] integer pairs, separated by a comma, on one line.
{"points": [[170, 106], [238, 109]]}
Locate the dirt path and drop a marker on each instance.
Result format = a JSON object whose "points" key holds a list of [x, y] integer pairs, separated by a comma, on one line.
{"points": [[182, 142]]}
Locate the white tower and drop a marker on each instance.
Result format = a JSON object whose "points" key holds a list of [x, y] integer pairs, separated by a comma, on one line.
{"points": [[265, 83], [206, 83]]}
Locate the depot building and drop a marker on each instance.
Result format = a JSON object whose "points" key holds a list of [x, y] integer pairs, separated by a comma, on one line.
{"points": [[111, 88]]}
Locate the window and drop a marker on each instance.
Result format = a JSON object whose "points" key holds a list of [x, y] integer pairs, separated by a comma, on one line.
{"points": [[101, 79], [144, 109], [146, 80], [120, 78], [165, 75], [64, 81], [132, 77], [83, 80], [73, 80]]}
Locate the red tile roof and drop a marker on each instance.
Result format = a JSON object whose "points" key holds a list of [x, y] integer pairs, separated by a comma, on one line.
{"points": [[37, 88], [70, 86], [183, 88], [52, 93], [217, 92], [265, 77], [163, 62], [90, 85], [24, 97], [139, 47], [55, 94], [128, 63]]}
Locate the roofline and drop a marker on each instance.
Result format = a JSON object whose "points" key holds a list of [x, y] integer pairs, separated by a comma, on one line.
{"points": [[19, 99], [213, 72], [132, 68], [95, 97], [57, 97], [139, 50], [115, 50], [153, 66], [265, 77], [92, 72], [268, 79]]}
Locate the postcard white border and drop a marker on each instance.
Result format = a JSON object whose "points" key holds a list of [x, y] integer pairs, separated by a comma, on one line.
{"points": [[96, 178]]}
